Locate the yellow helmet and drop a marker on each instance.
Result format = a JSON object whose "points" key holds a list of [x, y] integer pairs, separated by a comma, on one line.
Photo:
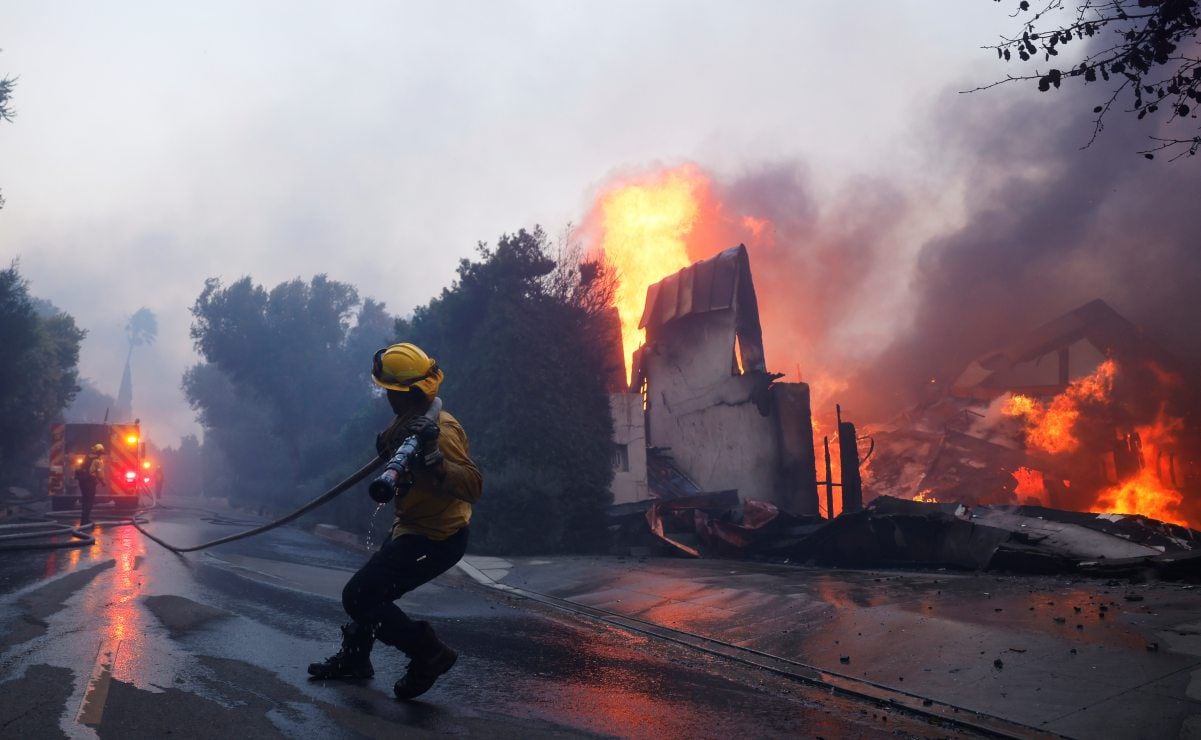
{"points": [[98, 449], [405, 366]]}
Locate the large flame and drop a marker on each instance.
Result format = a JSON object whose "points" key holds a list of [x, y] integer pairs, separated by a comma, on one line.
{"points": [[654, 224], [1050, 427], [1146, 492], [644, 225]]}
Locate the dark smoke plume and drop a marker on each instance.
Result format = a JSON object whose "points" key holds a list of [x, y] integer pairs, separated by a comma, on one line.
{"points": [[1049, 226]]}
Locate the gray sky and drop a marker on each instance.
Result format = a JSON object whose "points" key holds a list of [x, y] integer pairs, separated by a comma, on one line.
{"points": [[157, 144]]}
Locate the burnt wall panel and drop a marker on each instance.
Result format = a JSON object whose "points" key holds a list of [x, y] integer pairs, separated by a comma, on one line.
{"points": [[706, 415], [725, 274], [797, 482], [702, 285], [629, 433]]}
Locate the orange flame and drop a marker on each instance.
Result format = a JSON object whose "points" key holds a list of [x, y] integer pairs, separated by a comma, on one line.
{"points": [[926, 496], [1030, 485], [1050, 427], [644, 225], [1146, 492]]}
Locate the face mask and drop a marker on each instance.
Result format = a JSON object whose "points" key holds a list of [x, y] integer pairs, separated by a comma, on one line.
{"points": [[405, 402]]}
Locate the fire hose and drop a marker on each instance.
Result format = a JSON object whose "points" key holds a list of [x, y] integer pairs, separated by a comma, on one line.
{"points": [[48, 526], [397, 474]]}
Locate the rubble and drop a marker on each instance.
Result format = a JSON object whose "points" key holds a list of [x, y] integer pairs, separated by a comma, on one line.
{"points": [[969, 441], [897, 532], [892, 532]]}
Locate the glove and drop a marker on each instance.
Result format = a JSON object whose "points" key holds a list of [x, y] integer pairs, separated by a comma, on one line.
{"points": [[383, 445], [388, 440], [426, 431]]}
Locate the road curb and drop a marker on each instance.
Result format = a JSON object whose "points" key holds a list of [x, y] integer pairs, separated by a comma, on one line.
{"points": [[935, 711]]}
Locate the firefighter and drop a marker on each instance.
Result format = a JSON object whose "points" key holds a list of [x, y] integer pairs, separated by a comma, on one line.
{"points": [[429, 532], [89, 475], [158, 482]]}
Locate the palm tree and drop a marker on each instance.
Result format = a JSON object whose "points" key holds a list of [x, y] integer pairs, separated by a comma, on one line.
{"points": [[142, 328]]}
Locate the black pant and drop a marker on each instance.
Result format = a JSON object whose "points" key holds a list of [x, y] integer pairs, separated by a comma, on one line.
{"points": [[400, 566], [87, 496]]}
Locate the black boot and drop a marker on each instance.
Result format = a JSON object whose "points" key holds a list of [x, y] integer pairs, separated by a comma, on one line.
{"points": [[353, 661], [430, 658]]}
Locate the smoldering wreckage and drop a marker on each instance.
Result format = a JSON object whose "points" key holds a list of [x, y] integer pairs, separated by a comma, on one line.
{"points": [[1067, 452]]}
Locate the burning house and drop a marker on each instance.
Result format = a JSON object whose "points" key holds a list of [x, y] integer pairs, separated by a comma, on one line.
{"points": [[1083, 413], [999, 472], [1076, 443], [702, 401]]}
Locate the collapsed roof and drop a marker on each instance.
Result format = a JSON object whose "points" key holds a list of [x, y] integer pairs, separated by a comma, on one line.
{"points": [[1046, 359]]}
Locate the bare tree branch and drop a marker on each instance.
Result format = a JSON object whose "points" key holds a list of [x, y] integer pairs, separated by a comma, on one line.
{"points": [[1146, 49]]}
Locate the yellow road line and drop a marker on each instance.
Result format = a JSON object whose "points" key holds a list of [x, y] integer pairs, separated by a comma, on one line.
{"points": [[91, 709]]}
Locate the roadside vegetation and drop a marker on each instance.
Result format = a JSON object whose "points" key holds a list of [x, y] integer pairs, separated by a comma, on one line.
{"points": [[38, 376], [288, 408]]}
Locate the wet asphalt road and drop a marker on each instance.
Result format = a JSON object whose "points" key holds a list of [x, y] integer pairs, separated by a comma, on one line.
{"points": [[126, 639]]}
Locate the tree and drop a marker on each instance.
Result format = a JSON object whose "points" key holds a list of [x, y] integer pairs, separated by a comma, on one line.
{"points": [[184, 470], [288, 408], [6, 111], [286, 372], [1143, 51], [142, 328], [526, 374], [38, 373], [90, 404]]}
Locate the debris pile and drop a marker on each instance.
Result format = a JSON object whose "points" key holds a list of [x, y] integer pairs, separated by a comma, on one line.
{"points": [[1021, 539], [893, 532], [1085, 413]]}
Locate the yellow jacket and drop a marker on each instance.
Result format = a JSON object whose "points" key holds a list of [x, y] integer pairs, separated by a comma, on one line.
{"points": [[95, 466], [436, 508]]}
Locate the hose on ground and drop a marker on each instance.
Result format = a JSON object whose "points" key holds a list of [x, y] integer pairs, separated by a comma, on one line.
{"points": [[47, 527], [329, 495]]}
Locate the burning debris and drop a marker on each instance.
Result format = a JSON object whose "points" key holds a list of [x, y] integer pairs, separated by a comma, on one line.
{"points": [[1086, 415], [893, 532]]}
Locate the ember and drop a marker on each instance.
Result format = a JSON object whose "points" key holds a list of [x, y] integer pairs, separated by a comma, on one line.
{"points": [[926, 497]]}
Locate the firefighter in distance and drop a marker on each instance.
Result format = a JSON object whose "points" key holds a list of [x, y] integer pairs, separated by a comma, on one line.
{"points": [[89, 475]]}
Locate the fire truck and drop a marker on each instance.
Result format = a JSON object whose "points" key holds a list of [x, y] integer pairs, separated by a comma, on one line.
{"points": [[128, 473]]}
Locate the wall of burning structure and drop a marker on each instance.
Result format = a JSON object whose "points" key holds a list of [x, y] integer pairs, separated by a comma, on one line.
{"points": [[629, 437], [710, 403]]}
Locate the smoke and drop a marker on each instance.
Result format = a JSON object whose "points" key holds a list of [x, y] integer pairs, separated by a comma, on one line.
{"points": [[881, 290], [816, 259], [819, 263], [1048, 226], [878, 321]]}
